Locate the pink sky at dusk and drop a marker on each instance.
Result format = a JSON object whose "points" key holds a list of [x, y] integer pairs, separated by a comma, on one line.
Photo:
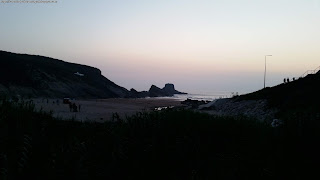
{"points": [[206, 45]]}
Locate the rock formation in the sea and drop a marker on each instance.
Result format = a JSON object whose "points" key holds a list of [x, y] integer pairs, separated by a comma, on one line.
{"points": [[169, 88], [155, 91]]}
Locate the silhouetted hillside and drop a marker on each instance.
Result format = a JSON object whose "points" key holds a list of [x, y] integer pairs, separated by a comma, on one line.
{"points": [[34, 76], [302, 94]]}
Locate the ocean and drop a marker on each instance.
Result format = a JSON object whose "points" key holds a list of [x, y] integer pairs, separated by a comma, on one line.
{"points": [[205, 96]]}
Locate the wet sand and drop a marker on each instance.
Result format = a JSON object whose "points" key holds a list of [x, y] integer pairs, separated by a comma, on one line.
{"points": [[102, 109]]}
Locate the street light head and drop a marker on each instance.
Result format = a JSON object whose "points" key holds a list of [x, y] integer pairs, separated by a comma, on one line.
{"points": [[268, 55]]}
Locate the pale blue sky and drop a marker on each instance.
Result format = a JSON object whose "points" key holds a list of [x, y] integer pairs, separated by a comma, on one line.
{"points": [[203, 45]]}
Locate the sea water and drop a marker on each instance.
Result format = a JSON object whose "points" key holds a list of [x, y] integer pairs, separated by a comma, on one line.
{"points": [[201, 96], [204, 96]]}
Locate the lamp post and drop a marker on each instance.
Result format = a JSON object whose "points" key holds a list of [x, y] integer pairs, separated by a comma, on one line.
{"points": [[265, 70]]}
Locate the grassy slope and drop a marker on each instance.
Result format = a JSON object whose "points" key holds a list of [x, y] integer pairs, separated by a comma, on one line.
{"points": [[301, 95]]}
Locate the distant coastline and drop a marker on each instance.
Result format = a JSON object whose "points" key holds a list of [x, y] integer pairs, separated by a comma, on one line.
{"points": [[32, 76]]}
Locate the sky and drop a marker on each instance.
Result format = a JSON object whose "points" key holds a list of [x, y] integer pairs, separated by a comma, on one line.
{"points": [[199, 45]]}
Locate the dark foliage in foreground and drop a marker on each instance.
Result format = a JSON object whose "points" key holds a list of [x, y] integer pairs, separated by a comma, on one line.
{"points": [[172, 144]]}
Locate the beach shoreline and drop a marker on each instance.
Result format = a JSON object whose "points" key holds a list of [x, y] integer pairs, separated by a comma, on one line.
{"points": [[101, 110]]}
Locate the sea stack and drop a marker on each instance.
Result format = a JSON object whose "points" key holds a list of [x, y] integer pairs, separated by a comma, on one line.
{"points": [[169, 88]]}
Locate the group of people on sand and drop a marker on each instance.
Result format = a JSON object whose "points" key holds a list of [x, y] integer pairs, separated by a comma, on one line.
{"points": [[74, 108]]}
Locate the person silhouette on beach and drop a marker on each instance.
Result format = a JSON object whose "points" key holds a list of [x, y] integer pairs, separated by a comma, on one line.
{"points": [[75, 108], [70, 107], [288, 80]]}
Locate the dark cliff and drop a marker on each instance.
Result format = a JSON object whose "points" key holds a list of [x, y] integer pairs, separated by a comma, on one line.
{"points": [[154, 91], [168, 90], [39, 76], [171, 90]]}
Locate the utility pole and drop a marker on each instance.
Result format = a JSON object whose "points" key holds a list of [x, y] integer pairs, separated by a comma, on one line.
{"points": [[265, 70]]}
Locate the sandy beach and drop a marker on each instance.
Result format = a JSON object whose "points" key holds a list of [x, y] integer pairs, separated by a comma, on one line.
{"points": [[102, 109]]}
